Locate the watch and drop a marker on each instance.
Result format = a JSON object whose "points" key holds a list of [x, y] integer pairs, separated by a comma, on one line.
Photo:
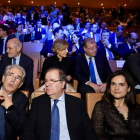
{"points": [[9, 108]]}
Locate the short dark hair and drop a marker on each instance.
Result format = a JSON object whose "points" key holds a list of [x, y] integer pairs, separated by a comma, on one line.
{"points": [[90, 40], [105, 31], [56, 30], [5, 28], [119, 28], [62, 75], [130, 98]]}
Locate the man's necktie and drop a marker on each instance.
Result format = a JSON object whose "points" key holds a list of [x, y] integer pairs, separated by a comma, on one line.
{"points": [[92, 72], [110, 54], [55, 122], [2, 123], [14, 61]]}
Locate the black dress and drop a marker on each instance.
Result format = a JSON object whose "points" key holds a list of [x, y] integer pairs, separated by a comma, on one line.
{"points": [[65, 65], [109, 124]]}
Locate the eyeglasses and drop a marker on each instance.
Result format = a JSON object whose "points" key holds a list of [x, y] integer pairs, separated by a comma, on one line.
{"points": [[94, 48], [52, 81], [11, 75]]}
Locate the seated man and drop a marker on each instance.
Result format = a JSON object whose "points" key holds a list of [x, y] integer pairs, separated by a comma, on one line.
{"points": [[105, 47], [78, 25], [59, 116], [91, 70], [39, 32], [46, 50], [116, 37], [85, 30], [93, 34], [15, 56], [70, 29], [130, 47], [132, 68], [12, 103], [19, 20]]}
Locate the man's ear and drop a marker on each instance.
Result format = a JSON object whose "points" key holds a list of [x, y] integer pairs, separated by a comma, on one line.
{"points": [[20, 84], [18, 49], [3, 78], [63, 84]]}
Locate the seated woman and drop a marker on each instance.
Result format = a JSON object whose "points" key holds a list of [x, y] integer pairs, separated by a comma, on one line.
{"points": [[117, 115], [59, 60], [18, 34], [76, 45]]}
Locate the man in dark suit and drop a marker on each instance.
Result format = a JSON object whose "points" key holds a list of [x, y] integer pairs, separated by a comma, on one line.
{"points": [[91, 70], [12, 103], [107, 48], [4, 32], [68, 113], [78, 25], [15, 56], [46, 50], [132, 68], [39, 31], [93, 34], [130, 47], [116, 37]]}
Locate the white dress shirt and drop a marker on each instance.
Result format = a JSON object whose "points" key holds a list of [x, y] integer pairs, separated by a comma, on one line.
{"points": [[98, 80], [64, 133], [17, 60]]}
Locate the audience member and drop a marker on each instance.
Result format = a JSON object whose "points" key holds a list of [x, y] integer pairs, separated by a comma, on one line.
{"points": [[12, 103], [1, 19], [91, 70], [59, 60], [105, 47], [78, 25], [117, 115], [19, 19], [46, 50], [54, 14], [85, 30], [43, 15], [132, 68], [75, 47], [4, 32], [15, 56], [65, 116], [130, 47], [66, 14], [18, 34]]}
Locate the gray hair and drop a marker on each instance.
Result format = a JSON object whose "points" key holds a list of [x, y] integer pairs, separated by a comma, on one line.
{"points": [[16, 42], [15, 66]]}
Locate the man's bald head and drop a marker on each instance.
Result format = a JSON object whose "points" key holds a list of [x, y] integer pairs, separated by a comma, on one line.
{"points": [[13, 48]]}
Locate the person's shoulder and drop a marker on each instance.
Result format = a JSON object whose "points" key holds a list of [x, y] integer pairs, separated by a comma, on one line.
{"points": [[41, 98], [101, 104], [82, 56], [19, 94], [26, 57]]}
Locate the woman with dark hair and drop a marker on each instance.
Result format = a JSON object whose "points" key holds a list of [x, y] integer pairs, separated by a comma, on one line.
{"points": [[59, 60], [76, 45], [117, 115], [43, 15]]}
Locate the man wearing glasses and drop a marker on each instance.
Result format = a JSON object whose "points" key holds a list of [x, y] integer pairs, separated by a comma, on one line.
{"points": [[91, 70], [12, 103], [56, 115]]}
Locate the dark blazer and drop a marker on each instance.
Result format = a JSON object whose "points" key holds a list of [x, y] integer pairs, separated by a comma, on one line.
{"points": [[28, 16], [132, 67], [113, 49], [39, 123], [16, 118], [65, 65], [125, 51], [25, 62], [81, 26], [1, 47], [112, 38], [82, 72], [47, 47], [38, 35]]}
